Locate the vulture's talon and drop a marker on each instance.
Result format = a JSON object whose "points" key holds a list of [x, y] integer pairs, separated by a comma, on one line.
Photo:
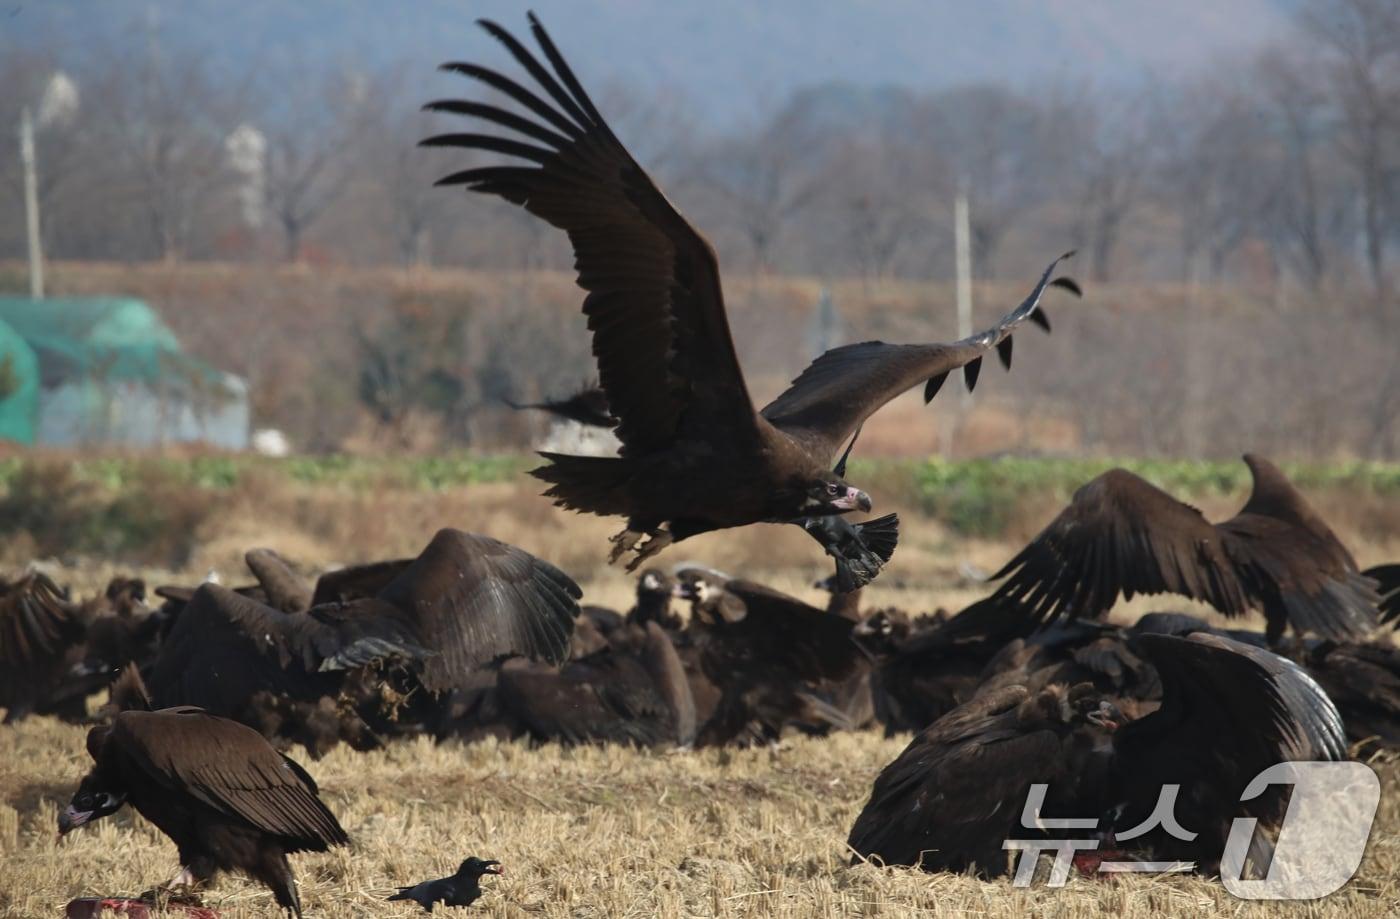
{"points": [[654, 544], [623, 543]]}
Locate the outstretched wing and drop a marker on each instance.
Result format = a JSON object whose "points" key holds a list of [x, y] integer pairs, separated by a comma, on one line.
{"points": [[230, 768], [839, 390], [36, 631], [660, 334], [224, 647], [1120, 534], [473, 598], [1229, 710], [1292, 563]]}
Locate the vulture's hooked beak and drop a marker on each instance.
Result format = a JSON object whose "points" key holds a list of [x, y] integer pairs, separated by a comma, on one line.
{"points": [[71, 819], [853, 500], [1106, 716]]}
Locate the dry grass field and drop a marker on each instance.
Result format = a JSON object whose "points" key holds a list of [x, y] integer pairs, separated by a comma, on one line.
{"points": [[592, 832]]}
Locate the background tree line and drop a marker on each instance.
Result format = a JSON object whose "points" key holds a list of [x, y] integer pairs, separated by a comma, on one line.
{"points": [[1265, 194]]}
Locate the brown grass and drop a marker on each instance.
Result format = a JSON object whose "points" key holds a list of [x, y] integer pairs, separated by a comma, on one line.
{"points": [[599, 832], [590, 832]]}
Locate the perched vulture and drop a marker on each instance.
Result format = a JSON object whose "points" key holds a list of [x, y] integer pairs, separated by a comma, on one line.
{"points": [[40, 637], [695, 454], [1388, 579], [635, 696], [1121, 534], [775, 659], [1228, 711], [461, 889], [226, 798]]}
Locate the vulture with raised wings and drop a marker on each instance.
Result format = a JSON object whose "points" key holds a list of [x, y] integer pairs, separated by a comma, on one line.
{"points": [[1228, 711], [695, 454], [227, 799], [466, 601], [1121, 534], [40, 637]]}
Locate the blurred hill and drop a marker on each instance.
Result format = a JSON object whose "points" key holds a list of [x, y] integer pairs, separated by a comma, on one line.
{"points": [[713, 53]]}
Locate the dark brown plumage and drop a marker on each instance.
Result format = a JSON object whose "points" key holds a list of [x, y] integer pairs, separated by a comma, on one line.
{"points": [[588, 406], [1121, 534], [695, 455], [1228, 711], [636, 695], [226, 799], [40, 635], [774, 659], [1387, 578], [284, 589], [306, 677]]}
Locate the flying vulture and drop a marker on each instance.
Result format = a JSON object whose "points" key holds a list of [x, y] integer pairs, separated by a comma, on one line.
{"points": [[1121, 534], [461, 889], [1228, 711], [227, 799], [860, 550], [695, 454]]}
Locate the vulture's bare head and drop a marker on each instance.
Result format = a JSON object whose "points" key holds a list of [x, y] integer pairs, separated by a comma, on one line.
{"points": [[831, 494], [91, 802]]}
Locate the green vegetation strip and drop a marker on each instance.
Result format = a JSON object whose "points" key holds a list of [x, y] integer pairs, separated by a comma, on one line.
{"points": [[975, 497]]}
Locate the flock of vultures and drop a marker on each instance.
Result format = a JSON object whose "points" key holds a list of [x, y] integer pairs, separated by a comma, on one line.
{"points": [[473, 638]]}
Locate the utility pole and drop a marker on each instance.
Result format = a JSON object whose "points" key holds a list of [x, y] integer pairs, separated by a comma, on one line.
{"points": [[31, 205], [962, 254]]}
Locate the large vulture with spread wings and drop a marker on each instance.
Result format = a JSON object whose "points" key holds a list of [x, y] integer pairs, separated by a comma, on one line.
{"points": [[464, 602], [1121, 534], [695, 454], [226, 798], [1229, 710]]}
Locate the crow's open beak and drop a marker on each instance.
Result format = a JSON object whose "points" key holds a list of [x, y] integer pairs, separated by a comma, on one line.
{"points": [[71, 819], [853, 500], [495, 868]]}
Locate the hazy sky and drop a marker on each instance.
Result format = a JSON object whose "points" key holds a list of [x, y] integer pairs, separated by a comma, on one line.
{"points": [[729, 57]]}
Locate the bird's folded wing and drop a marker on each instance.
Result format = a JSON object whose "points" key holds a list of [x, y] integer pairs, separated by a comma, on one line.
{"points": [[660, 334], [230, 768], [829, 401], [34, 624]]}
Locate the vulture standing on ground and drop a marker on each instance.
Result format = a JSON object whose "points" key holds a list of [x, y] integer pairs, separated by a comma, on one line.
{"points": [[1121, 534], [631, 695], [776, 660], [695, 455], [226, 798], [1228, 711]]}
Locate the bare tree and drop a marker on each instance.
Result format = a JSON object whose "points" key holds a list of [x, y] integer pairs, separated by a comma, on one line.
{"points": [[310, 123]]}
